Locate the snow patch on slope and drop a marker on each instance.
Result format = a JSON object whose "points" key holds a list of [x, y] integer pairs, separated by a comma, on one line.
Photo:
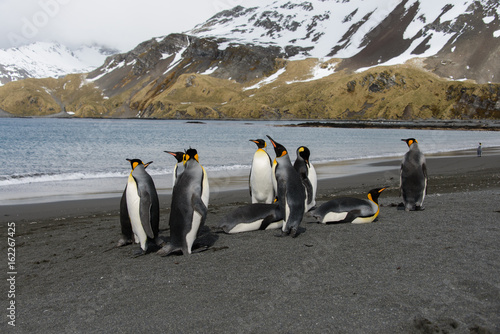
{"points": [[42, 60]]}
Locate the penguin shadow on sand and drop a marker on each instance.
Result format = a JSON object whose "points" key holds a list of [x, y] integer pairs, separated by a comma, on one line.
{"points": [[205, 241]]}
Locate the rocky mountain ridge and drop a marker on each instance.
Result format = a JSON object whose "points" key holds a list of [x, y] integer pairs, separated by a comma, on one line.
{"points": [[398, 60]]}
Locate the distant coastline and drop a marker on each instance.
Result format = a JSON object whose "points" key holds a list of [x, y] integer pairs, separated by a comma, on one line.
{"points": [[487, 125], [422, 124]]}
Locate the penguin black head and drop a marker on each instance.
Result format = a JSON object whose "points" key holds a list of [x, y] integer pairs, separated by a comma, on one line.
{"points": [[304, 153], [179, 156], [136, 162], [261, 143], [375, 193], [279, 149], [191, 154], [409, 141]]}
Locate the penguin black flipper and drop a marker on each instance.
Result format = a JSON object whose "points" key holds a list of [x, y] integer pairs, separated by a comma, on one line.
{"points": [[309, 188], [351, 215], [201, 208], [272, 218], [126, 225], [282, 199], [146, 212], [424, 170]]}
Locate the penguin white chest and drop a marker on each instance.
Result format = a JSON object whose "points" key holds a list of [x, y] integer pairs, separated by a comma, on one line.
{"points": [[133, 205], [261, 179]]}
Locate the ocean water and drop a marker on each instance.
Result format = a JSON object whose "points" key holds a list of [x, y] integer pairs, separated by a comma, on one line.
{"points": [[57, 159]]}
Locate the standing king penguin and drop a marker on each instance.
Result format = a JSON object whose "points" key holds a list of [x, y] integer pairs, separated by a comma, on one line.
{"points": [[290, 191], [188, 211], [261, 174], [308, 175], [349, 209], [413, 177], [140, 209], [178, 169]]}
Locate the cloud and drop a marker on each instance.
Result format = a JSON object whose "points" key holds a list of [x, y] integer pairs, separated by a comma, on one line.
{"points": [[120, 24]]}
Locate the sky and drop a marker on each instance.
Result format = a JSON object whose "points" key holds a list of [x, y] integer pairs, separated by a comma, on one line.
{"points": [[120, 24]]}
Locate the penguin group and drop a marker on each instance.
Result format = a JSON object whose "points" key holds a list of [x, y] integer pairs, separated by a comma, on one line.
{"points": [[281, 194]]}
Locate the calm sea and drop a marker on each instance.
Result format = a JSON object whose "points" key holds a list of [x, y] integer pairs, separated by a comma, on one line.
{"points": [[54, 159]]}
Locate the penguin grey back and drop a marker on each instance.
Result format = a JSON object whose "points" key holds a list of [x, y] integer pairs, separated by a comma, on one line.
{"points": [[186, 201], [291, 192], [413, 176], [147, 188]]}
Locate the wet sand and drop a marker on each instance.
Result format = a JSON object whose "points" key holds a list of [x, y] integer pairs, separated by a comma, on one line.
{"points": [[408, 272]]}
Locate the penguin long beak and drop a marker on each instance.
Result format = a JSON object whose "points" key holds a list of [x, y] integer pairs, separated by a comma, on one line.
{"points": [[272, 141], [147, 164]]}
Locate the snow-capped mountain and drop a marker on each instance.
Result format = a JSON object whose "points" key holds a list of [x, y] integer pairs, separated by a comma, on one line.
{"points": [[367, 32], [42, 60], [293, 59]]}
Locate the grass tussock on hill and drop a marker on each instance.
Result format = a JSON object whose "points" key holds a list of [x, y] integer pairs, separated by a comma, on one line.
{"points": [[395, 92]]}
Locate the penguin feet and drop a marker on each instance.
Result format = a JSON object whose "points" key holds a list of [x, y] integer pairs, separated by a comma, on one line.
{"points": [[164, 251], [281, 234], [167, 249], [123, 242], [294, 232], [160, 242], [138, 253]]}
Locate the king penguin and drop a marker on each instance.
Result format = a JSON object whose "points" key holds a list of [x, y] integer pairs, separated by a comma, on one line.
{"points": [[179, 166], [252, 217], [308, 175], [290, 191], [126, 226], [188, 211], [140, 209], [261, 174], [413, 177], [349, 209]]}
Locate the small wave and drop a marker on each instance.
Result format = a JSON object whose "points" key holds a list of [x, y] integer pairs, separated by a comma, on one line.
{"points": [[54, 177], [220, 168]]}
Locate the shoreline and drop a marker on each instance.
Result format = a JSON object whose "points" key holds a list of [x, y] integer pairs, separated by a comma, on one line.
{"points": [[235, 186], [426, 271]]}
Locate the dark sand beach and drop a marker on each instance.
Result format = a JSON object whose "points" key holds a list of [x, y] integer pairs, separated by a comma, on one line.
{"points": [[431, 271]]}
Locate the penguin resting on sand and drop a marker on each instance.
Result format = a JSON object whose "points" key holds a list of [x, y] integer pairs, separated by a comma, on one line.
{"points": [[349, 209], [252, 217]]}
